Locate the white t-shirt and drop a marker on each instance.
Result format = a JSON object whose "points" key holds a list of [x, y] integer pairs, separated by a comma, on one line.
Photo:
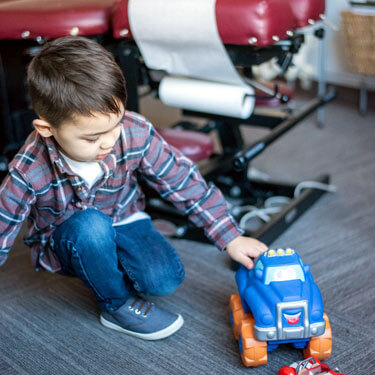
{"points": [[91, 172]]}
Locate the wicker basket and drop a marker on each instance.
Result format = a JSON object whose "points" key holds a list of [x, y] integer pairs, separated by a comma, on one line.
{"points": [[359, 35]]}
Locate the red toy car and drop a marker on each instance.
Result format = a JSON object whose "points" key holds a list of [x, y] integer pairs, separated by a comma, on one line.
{"points": [[309, 366]]}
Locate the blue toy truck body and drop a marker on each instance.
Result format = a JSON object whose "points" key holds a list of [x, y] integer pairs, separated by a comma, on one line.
{"points": [[282, 296]]}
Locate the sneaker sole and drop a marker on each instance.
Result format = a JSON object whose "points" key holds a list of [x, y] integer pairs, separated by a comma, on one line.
{"points": [[158, 335]]}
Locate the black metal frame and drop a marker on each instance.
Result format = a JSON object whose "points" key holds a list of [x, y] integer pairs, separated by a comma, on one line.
{"points": [[159, 209], [229, 172]]}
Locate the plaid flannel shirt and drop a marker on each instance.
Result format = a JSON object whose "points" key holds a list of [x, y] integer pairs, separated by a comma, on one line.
{"points": [[41, 188]]}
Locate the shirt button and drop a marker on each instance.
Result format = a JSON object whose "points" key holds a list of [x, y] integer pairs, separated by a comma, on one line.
{"points": [[79, 188]]}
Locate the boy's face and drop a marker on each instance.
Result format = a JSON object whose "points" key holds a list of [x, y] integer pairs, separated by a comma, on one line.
{"points": [[87, 138]]}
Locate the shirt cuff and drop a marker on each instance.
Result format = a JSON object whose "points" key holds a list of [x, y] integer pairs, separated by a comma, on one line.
{"points": [[223, 231]]}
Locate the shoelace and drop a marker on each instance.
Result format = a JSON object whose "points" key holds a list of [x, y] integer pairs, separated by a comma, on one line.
{"points": [[142, 305]]}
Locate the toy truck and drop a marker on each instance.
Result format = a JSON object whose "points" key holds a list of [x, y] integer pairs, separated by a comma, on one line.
{"points": [[278, 302]]}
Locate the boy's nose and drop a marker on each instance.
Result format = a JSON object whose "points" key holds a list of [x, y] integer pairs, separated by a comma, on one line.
{"points": [[107, 144], [108, 141]]}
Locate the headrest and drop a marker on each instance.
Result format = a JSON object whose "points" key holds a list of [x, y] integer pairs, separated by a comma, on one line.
{"points": [[29, 19], [241, 22]]}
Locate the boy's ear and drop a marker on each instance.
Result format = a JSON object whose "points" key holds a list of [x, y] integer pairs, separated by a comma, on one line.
{"points": [[42, 127]]}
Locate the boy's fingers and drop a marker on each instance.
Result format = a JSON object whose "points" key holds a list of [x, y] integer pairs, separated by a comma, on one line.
{"points": [[246, 261], [262, 247], [254, 253], [261, 251]]}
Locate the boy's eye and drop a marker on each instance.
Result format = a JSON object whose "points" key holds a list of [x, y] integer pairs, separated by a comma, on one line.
{"points": [[92, 140]]}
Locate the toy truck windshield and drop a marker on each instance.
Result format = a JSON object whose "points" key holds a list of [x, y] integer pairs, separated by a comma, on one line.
{"points": [[284, 273]]}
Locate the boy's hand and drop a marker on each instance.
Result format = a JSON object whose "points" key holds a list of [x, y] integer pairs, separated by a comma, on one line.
{"points": [[241, 249]]}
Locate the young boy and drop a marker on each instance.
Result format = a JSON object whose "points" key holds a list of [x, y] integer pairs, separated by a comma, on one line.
{"points": [[75, 179]]}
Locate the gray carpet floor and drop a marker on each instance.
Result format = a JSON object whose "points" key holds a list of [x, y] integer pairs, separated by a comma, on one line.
{"points": [[49, 323]]}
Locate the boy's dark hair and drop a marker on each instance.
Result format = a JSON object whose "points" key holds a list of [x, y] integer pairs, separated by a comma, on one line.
{"points": [[74, 76]]}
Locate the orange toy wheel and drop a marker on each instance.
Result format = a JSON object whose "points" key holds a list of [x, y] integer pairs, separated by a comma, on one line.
{"points": [[320, 346], [237, 314], [253, 351]]}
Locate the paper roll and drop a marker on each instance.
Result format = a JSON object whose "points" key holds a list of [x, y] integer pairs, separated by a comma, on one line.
{"points": [[208, 97], [181, 37]]}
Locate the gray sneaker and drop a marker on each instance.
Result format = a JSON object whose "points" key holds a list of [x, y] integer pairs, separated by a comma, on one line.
{"points": [[140, 318]]}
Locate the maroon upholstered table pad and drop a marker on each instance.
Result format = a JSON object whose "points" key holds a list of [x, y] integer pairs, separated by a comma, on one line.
{"points": [[241, 22]]}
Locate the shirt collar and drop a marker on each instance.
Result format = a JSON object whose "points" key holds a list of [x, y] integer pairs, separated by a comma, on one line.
{"points": [[108, 164], [54, 155]]}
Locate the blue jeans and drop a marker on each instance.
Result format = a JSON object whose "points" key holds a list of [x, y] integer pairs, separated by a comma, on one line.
{"points": [[117, 261]]}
